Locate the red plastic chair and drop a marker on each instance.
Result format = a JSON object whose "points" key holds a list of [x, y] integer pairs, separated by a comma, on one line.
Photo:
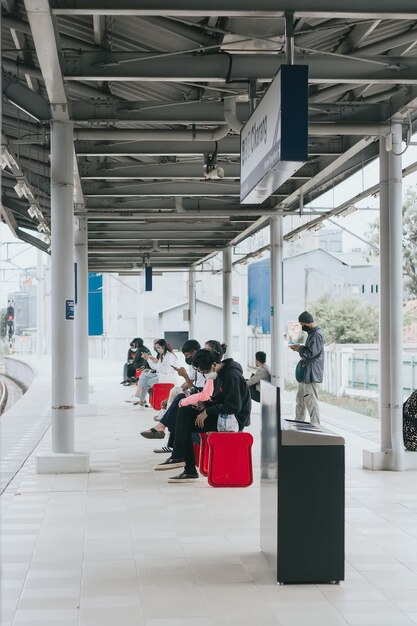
{"points": [[196, 453], [229, 459], [203, 457], [159, 392]]}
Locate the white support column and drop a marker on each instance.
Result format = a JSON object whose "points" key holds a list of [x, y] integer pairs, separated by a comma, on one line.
{"points": [[277, 317], [391, 456], [243, 317], [396, 297], [192, 303], [227, 298], [40, 303], [384, 298], [62, 458], [81, 313]]}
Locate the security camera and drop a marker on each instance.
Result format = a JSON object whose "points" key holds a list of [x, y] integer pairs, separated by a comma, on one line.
{"points": [[214, 173]]}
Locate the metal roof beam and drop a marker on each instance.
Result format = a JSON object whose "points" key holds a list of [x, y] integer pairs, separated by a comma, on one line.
{"points": [[154, 171], [227, 146], [154, 112], [160, 235], [161, 189], [221, 67], [402, 9]]}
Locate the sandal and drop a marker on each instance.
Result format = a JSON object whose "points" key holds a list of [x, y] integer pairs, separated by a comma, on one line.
{"points": [[152, 433]]}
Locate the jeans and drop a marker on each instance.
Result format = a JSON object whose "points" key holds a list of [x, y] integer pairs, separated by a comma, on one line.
{"points": [[146, 381], [307, 397], [170, 418], [185, 427]]}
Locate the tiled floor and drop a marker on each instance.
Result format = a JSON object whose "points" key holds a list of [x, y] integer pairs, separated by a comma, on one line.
{"points": [[120, 546]]}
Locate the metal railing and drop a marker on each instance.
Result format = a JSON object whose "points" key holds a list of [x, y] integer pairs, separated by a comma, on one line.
{"points": [[364, 373]]}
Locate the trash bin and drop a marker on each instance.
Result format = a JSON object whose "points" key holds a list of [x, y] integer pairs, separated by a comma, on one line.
{"points": [[302, 497]]}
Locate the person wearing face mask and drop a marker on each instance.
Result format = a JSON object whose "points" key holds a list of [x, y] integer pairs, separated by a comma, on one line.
{"points": [[201, 391], [312, 357], [193, 383], [230, 397], [134, 361], [161, 365]]}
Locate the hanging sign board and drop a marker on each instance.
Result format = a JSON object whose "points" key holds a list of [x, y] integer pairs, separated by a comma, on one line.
{"points": [[274, 141]]}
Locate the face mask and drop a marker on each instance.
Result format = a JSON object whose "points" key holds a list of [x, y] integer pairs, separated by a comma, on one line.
{"points": [[305, 328], [211, 375], [160, 350], [189, 360], [134, 349]]}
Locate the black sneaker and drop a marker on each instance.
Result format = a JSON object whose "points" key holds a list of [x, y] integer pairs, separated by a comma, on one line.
{"points": [[163, 450], [170, 463], [184, 478]]}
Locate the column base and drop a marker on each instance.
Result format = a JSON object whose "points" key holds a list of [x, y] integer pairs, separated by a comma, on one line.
{"points": [[382, 460], [377, 460], [62, 463], [85, 410]]}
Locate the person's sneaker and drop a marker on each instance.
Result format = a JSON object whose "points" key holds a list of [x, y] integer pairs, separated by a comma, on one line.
{"points": [[163, 450], [184, 478], [132, 399], [170, 463]]}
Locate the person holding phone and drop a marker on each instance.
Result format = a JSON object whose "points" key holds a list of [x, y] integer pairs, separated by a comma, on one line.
{"points": [[161, 365]]}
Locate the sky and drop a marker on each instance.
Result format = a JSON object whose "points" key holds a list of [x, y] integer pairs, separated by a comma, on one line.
{"points": [[19, 255]]}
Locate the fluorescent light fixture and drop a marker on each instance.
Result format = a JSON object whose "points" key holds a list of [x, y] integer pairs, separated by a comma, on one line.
{"points": [[350, 209], [5, 159], [42, 227], [32, 211], [20, 189], [315, 227]]}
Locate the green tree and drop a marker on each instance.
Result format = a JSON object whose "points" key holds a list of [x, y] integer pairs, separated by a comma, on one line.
{"points": [[409, 242], [345, 320], [3, 324]]}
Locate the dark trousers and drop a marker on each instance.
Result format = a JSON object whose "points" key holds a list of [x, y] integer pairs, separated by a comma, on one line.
{"points": [[129, 371], [255, 394], [184, 429], [170, 418]]}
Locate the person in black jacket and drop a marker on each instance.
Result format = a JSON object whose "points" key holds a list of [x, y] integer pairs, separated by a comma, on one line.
{"points": [[134, 361], [231, 396]]}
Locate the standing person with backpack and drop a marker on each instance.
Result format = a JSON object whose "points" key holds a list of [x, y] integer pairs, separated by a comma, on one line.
{"points": [[309, 371]]}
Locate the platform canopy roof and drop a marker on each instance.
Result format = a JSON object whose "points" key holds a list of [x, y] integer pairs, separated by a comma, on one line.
{"points": [[155, 87]]}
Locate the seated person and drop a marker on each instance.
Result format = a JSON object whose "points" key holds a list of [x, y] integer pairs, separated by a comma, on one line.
{"points": [[262, 373], [169, 418], [134, 361], [410, 422], [193, 381], [230, 397], [162, 364]]}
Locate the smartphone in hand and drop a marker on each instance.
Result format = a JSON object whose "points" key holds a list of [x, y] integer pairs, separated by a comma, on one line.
{"points": [[175, 368]]}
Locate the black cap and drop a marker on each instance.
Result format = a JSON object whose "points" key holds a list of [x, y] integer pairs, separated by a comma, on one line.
{"points": [[306, 318]]}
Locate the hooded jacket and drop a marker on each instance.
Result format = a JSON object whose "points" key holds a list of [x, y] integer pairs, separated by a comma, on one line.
{"points": [[231, 394], [312, 353]]}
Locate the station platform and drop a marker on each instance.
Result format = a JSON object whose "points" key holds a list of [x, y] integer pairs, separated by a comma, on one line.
{"points": [[122, 546]]}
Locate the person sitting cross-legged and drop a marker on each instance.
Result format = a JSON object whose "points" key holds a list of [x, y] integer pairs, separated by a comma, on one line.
{"points": [[230, 397]]}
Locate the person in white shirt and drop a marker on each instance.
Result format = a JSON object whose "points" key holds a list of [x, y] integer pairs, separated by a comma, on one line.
{"points": [[161, 365], [262, 373]]}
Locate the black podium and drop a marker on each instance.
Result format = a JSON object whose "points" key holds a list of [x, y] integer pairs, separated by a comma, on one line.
{"points": [[302, 497]]}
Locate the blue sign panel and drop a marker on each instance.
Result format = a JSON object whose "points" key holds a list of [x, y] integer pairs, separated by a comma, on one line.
{"points": [[95, 304], [259, 296], [69, 309], [148, 278]]}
